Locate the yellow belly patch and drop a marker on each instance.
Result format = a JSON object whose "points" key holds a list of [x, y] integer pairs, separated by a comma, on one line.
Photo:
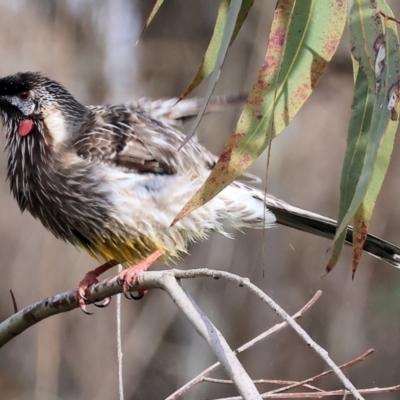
{"points": [[131, 251]]}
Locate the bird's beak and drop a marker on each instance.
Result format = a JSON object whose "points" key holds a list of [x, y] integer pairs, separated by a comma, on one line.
{"points": [[4, 103]]}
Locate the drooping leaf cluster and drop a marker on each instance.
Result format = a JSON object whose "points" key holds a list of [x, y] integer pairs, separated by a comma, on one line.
{"points": [[303, 38]]}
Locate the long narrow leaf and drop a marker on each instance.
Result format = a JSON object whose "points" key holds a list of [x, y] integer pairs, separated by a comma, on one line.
{"points": [[363, 214], [357, 142], [231, 19], [211, 54], [376, 56], [151, 16]]}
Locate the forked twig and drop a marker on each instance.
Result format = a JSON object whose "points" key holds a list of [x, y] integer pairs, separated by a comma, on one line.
{"points": [[284, 315]]}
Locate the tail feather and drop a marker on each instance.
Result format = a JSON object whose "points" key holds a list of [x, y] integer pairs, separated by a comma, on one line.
{"points": [[170, 110], [319, 225]]}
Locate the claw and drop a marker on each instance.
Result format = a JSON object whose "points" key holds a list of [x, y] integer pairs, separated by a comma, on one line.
{"points": [[127, 279], [89, 279], [140, 295], [127, 295], [14, 302], [130, 296], [106, 302], [82, 304]]}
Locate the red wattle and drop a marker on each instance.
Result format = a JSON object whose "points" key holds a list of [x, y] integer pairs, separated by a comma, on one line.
{"points": [[25, 127]]}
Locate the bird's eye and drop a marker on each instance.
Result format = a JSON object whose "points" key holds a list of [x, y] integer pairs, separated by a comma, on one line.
{"points": [[24, 95]]}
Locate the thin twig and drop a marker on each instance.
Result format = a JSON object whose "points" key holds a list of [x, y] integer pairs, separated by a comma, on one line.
{"points": [[319, 395], [119, 345], [389, 18], [290, 385], [262, 381], [343, 366], [199, 378]]}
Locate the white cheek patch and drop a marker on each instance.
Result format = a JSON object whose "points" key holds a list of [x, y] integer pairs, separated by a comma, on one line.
{"points": [[56, 124]]}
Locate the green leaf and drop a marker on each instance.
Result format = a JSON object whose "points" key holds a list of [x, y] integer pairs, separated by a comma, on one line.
{"points": [[211, 54], [357, 142], [304, 36], [363, 215], [368, 153]]}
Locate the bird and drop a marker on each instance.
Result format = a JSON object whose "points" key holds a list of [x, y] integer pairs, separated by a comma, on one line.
{"points": [[110, 179]]}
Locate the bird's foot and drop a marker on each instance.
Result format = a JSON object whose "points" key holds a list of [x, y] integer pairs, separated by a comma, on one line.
{"points": [[128, 277], [90, 279]]}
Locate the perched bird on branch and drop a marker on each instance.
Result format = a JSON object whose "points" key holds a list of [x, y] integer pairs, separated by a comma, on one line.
{"points": [[109, 178]]}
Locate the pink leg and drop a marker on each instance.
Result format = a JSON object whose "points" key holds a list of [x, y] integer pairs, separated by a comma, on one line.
{"points": [[128, 276], [89, 279]]}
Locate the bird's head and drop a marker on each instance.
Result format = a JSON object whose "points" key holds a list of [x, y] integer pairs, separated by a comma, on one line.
{"points": [[32, 105]]}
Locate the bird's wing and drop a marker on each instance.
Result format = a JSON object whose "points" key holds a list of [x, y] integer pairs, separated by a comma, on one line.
{"points": [[129, 137], [174, 112]]}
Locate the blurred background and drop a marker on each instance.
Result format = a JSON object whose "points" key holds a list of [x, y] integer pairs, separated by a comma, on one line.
{"points": [[89, 46]]}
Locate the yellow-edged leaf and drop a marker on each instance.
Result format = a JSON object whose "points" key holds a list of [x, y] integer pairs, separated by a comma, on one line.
{"points": [[151, 16], [210, 57], [231, 19]]}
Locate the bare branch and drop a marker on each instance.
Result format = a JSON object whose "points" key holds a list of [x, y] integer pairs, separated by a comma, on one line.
{"points": [[199, 378], [212, 336], [63, 302]]}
